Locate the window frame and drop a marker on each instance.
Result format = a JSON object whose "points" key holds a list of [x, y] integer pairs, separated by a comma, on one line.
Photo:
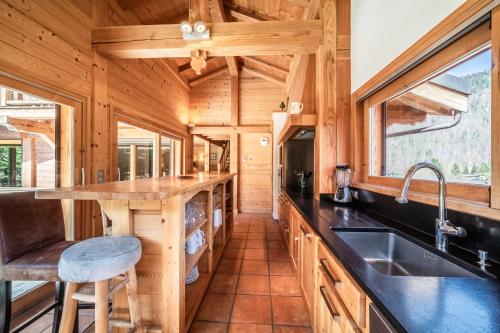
{"points": [[470, 198], [159, 133]]}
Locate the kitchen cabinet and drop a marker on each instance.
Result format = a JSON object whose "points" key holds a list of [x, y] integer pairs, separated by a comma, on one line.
{"points": [[295, 238], [335, 302], [307, 253]]}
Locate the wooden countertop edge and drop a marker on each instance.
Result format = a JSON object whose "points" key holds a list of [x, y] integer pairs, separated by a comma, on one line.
{"points": [[87, 193]]}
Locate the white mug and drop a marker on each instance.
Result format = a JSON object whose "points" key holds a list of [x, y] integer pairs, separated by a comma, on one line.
{"points": [[296, 107], [191, 245], [217, 218]]}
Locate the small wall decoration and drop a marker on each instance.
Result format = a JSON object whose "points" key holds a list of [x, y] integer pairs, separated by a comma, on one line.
{"points": [[213, 156]]}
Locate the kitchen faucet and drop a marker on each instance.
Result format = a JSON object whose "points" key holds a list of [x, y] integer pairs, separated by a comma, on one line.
{"points": [[443, 227]]}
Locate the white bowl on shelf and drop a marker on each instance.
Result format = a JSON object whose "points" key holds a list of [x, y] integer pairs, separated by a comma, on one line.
{"points": [[192, 276]]}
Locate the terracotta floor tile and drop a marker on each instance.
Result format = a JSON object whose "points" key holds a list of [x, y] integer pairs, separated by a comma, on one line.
{"points": [[233, 253], [216, 307], [257, 228], [272, 228], [259, 267], [207, 327], [236, 244], [251, 309], [289, 311], [253, 285], [276, 244], [224, 283], [256, 244], [256, 235], [285, 286], [240, 228], [277, 254], [291, 329], [250, 328], [274, 236], [229, 266], [239, 235], [280, 268], [259, 254]]}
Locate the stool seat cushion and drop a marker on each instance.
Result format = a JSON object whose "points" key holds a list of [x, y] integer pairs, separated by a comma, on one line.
{"points": [[100, 258], [37, 265]]}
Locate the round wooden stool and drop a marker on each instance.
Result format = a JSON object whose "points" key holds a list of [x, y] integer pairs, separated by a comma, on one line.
{"points": [[94, 263]]}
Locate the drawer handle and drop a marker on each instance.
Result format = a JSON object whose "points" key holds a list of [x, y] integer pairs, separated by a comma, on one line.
{"points": [[336, 282], [330, 307]]}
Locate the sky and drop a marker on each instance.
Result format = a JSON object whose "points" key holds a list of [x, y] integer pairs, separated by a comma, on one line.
{"points": [[478, 63]]}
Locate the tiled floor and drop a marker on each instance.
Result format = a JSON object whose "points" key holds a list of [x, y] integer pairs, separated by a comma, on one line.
{"points": [[254, 288]]}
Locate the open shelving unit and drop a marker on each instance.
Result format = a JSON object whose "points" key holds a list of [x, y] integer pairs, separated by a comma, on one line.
{"points": [[216, 196]]}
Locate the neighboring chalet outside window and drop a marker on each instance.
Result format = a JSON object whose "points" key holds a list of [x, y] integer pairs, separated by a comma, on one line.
{"points": [[445, 120], [142, 153]]}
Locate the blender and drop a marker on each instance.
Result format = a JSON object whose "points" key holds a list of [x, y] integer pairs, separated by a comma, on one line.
{"points": [[343, 175]]}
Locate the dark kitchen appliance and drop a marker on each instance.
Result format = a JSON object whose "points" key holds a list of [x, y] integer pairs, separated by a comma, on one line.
{"points": [[343, 175]]}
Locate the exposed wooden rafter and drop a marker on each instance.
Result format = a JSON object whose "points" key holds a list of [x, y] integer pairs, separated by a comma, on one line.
{"points": [[265, 65], [208, 76], [243, 14], [227, 39], [264, 75], [175, 71], [298, 69], [208, 130], [218, 15]]}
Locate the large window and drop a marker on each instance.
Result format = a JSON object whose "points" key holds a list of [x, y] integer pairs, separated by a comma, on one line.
{"points": [[445, 120], [143, 153]]}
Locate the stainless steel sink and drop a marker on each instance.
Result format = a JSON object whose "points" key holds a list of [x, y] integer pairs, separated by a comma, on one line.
{"points": [[391, 254]]}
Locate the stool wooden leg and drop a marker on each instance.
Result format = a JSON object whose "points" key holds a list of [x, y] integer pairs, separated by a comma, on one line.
{"points": [[70, 306], [101, 307], [133, 301]]}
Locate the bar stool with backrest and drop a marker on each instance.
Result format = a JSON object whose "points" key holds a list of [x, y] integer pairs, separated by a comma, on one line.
{"points": [[32, 239], [94, 270]]}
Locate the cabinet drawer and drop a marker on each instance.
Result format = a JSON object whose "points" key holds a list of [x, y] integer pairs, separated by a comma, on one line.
{"points": [[349, 292], [333, 314]]}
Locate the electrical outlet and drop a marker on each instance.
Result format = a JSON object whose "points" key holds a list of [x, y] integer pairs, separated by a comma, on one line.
{"points": [[100, 176]]}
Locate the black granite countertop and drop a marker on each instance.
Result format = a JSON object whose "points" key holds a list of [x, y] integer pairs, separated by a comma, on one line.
{"points": [[412, 304]]}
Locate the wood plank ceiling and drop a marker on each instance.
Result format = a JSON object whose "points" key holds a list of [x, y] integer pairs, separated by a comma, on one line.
{"points": [[271, 68]]}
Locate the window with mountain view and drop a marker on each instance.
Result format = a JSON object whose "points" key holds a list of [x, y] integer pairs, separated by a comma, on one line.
{"points": [[445, 120]]}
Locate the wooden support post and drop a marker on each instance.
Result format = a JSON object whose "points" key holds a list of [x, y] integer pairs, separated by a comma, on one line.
{"points": [[210, 228], [207, 156], [235, 114], [234, 168], [28, 176], [157, 155], [133, 162], [325, 145], [173, 264], [495, 108]]}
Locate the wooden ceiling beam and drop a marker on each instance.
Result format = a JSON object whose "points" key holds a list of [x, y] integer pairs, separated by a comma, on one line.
{"points": [[227, 39], [218, 15], [198, 10], [175, 71], [265, 65], [208, 76], [209, 130], [263, 75], [295, 82]]}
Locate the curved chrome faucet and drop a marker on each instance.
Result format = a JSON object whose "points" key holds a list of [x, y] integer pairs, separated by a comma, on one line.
{"points": [[444, 228]]}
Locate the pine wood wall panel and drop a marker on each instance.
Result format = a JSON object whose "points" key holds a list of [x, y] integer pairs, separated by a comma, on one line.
{"points": [[210, 102], [255, 177], [258, 100]]}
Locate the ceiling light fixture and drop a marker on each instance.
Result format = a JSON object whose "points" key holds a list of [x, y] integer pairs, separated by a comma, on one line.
{"points": [[198, 31]]}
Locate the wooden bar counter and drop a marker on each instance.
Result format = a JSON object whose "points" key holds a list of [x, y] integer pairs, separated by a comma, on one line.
{"points": [[153, 210]]}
